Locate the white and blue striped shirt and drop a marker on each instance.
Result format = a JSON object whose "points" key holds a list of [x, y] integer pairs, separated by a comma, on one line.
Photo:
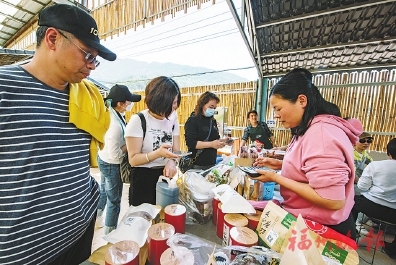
{"points": [[47, 196]]}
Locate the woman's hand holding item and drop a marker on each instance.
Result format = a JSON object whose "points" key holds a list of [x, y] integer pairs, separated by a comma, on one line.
{"points": [[170, 169], [267, 176], [220, 143], [268, 162], [164, 151], [228, 141]]}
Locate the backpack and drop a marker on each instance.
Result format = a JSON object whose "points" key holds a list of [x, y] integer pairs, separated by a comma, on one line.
{"points": [[125, 167]]}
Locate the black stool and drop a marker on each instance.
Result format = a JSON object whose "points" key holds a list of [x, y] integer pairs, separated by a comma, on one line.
{"points": [[381, 224]]}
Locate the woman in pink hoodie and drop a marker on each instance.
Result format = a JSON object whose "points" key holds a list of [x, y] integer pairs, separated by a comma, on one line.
{"points": [[317, 174]]}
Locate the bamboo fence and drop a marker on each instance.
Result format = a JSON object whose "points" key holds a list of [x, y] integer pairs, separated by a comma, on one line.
{"points": [[115, 17], [369, 96], [366, 95]]}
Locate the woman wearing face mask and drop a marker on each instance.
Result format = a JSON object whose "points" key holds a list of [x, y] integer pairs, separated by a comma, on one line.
{"points": [[119, 100], [201, 132]]}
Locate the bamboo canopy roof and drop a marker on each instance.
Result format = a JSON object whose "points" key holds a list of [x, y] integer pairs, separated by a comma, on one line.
{"points": [[320, 35], [18, 18]]}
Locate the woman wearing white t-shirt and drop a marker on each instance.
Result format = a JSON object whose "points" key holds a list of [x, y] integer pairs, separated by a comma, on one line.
{"points": [[119, 100], [151, 156]]}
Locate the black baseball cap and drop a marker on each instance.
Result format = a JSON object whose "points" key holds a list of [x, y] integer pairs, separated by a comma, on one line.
{"points": [[78, 22], [121, 93]]}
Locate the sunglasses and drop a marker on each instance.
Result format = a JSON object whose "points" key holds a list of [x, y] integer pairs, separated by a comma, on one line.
{"points": [[89, 58], [365, 141]]}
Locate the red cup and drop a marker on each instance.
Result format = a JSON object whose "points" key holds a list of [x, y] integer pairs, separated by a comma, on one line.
{"points": [[253, 219], [123, 253], [215, 203], [175, 214], [157, 236], [220, 221], [231, 220]]}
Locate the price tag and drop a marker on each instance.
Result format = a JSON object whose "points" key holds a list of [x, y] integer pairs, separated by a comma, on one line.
{"points": [[271, 123]]}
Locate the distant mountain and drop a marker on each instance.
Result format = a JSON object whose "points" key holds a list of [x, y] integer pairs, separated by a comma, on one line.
{"points": [[136, 74]]}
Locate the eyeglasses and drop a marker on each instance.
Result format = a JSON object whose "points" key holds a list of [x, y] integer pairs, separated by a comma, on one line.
{"points": [[88, 56], [362, 141]]}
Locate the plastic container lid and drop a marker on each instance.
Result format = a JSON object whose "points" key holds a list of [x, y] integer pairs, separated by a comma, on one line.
{"points": [[161, 231], [169, 258], [122, 252]]}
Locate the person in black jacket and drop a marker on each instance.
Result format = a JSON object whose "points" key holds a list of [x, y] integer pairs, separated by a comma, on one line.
{"points": [[201, 132]]}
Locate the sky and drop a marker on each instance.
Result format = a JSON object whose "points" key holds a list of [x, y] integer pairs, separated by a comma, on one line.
{"points": [[206, 37]]}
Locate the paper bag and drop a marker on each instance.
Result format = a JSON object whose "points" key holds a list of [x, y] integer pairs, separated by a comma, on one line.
{"points": [[232, 201], [274, 231], [301, 249], [244, 180]]}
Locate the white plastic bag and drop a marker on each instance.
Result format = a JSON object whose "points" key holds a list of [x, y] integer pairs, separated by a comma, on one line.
{"points": [[134, 224], [196, 194]]}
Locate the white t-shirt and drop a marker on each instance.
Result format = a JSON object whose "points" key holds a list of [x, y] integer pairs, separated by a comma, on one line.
{"points": [[378, 183], [114, 140], [157, 133]]}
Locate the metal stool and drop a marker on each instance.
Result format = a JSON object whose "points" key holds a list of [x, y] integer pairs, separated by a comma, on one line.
{"points": [[380, 223]]}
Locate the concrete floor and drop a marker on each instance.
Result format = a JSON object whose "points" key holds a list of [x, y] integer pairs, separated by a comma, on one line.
{"points": [[208, 232]]}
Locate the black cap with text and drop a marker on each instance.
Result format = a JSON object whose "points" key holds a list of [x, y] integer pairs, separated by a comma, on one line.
{"points": [[121, 93], [78, 22]]}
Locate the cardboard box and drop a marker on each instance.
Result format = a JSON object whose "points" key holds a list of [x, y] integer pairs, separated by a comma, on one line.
{"points": [[244, 162]]}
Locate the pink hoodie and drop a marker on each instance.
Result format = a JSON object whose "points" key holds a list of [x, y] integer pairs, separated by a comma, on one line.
{"points": [[322, 157]]}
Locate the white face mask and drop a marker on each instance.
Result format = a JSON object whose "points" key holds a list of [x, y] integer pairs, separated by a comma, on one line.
{"points": [[129, 107], [209, 112]]}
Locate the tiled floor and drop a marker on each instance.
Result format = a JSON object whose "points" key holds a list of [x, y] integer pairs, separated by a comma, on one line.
{"points": [[208, 232]]}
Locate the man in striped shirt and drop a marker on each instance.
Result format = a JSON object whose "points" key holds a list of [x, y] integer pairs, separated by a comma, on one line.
{"points": [[48, 199]]}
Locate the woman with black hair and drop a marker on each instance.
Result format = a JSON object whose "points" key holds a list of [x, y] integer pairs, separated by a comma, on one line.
{"points": [[150, 148], [119, 100], [318, 168]]}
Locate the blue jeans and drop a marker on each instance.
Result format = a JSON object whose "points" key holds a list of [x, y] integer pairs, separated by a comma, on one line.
{"points": [[110, 191]]}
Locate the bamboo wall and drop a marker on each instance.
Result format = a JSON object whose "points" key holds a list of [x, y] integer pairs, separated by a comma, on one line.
{"points": [[373, 104]]}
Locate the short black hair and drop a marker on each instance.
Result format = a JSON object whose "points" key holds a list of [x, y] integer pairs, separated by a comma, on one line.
{"points": [[250, 112], [391, 148], [40, 33], [160, 93]]}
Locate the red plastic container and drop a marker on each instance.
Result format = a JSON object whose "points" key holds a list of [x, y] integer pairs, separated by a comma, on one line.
{"points": [[157, 236], [175, 214]]}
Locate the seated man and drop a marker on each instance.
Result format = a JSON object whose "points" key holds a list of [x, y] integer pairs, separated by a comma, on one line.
{"points": [[361, 157], [378, 198]]}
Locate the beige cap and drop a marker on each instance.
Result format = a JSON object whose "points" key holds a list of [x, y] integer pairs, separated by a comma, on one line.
{"points": [[365, 135]]}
